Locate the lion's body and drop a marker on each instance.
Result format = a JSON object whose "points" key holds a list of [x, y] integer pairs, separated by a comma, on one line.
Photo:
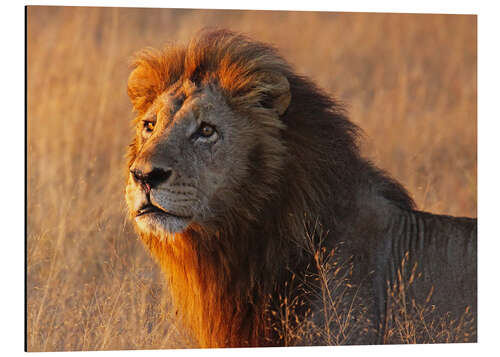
{"points": [[282, 161]]}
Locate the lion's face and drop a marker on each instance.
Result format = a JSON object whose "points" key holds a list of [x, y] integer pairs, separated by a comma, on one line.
{"points": [[193, 158]]}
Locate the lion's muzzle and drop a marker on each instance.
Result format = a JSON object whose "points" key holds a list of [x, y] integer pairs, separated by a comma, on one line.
{"points": [[154, 199]]}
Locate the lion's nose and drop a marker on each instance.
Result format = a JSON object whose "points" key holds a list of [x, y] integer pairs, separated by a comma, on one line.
{"points": [[151, 179]]}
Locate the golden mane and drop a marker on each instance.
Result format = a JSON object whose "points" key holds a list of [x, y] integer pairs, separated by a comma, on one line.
{"points": [[241, 67]]}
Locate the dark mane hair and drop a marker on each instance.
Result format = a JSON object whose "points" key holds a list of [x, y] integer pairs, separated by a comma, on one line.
{"points": [[224, 277]]}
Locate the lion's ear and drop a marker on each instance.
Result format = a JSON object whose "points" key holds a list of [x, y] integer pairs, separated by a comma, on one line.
{"points": [[276, 92], [141, 87]]}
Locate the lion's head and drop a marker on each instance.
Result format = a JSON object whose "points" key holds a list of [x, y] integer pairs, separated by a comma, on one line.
{"points": [[199, 154]]}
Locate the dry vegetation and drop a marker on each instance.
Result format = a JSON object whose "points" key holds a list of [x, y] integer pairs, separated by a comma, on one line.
{"points": [[409, 81]]}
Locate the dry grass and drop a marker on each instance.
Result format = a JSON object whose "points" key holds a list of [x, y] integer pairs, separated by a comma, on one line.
{"points": [[411, 322], [340, 316], [409, 80]]}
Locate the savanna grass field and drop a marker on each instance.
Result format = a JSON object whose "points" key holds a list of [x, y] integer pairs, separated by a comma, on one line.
{"points": [[409, 81]]}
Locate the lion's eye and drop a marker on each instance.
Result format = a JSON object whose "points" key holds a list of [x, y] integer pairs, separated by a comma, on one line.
{"points": [[149, 126], [206, 130], [205, 133]]}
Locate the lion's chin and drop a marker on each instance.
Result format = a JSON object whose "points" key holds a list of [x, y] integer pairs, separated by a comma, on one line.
{"points": [[161, 223]]}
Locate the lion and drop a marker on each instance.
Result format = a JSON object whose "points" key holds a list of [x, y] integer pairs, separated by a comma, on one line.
{"points": [[236, 160]]}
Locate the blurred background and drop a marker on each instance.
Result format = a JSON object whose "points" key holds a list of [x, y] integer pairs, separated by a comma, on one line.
{"points": [[409, 81]]}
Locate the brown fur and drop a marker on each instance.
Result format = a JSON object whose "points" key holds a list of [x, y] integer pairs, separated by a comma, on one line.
{"points": [[226, 275]]}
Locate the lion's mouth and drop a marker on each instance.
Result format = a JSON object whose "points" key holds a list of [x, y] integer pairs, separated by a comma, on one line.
{"points": [[151, 209]]}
